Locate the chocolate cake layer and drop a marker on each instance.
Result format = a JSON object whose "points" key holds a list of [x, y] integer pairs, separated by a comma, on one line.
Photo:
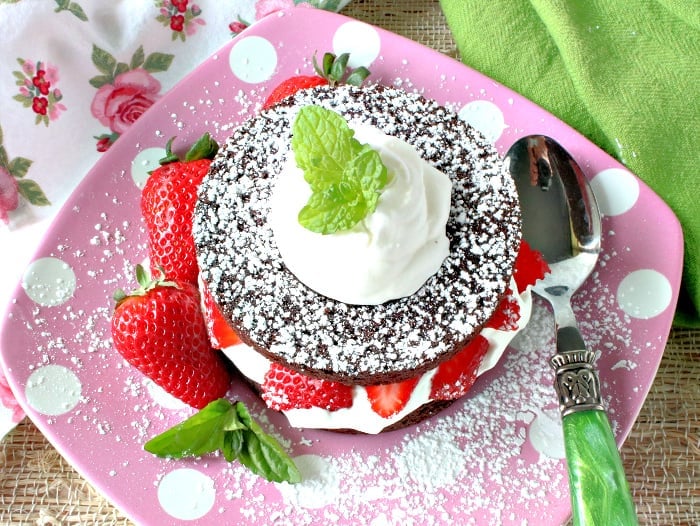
{"points": [[357, 344]]}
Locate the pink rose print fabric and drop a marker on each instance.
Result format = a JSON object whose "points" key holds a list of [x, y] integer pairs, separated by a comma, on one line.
{"points": [[181, 16], [124, 91], [119, 104], [8, 402], [264, 8], [14, 184], [37, 82], [74, 77], [9, 194]]}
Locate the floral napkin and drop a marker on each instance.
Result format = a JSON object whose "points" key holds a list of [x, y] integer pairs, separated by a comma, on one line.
{"points": [[74, 75]]}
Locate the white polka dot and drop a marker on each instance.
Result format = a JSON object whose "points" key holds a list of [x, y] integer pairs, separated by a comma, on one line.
{"points": [[164, 399], [486, 117], [49, 281], [253, 59], [53, 390], [360, 40], [546, 434], [644, 294], [616, 191], [146, 161], [186, 494], [319, 484]]}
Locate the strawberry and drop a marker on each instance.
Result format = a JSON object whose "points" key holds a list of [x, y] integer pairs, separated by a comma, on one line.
{"points": [[221, 335], [388, 399], [159, 329], [455, 377], [285, 389], [331, 71], [167, 205], [507, 314], [290, 86], [530, 266]]}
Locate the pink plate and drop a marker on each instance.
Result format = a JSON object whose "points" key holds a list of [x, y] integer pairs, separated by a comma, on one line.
{"points": [[494, 458]]}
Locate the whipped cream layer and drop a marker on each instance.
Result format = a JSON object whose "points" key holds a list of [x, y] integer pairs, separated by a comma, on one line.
{"points": [[360, 416], [389, 254]]}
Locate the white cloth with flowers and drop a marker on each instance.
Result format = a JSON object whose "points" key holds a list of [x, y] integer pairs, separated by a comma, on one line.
{"points": [[74, 75]]}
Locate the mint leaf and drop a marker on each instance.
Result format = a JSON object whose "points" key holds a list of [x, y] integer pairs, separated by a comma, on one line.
{"points": [[229, 428], [345, 176], [339, 207], [262, 454], [199, 435], [322, 143], [369, 169]]}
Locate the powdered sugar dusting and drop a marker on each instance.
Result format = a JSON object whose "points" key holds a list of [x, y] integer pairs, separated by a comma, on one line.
{"points": [[476, 453], [289, 322], [505, 479]]}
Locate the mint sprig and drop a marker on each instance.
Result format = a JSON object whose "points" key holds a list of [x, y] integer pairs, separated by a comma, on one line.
{"points": [[229, 428], [346, 176]]}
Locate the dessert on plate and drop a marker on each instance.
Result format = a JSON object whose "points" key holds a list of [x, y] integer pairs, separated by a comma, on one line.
{"points": [[364, 244]]}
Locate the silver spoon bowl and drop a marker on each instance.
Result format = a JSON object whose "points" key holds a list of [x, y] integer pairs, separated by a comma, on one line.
{"points": [[561, 219]]}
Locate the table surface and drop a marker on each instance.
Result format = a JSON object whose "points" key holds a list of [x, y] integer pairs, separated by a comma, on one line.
{"points": [[661, 454]]}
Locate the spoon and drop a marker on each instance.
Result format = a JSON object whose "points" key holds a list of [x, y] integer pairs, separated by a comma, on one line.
{"points": [[561, 220]]}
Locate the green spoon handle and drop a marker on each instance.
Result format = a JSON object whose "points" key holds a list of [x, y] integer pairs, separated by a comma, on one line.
{"points": [[600, 494]]}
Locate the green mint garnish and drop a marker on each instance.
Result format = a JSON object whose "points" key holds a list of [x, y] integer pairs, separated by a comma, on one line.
{"points": [[229, 428], [345, 176]]}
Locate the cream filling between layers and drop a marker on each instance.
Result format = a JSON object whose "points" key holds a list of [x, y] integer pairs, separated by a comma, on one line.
{"points": [[360, 415]]}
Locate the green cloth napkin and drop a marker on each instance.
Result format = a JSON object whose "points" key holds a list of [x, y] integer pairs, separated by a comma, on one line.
{"points": [[626, 74]]}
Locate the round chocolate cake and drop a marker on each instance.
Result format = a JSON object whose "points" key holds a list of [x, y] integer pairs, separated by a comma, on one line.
{"points": [[289, 323]]}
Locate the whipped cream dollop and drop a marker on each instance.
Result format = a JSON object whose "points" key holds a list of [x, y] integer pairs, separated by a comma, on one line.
{"points": [[389, 254]]}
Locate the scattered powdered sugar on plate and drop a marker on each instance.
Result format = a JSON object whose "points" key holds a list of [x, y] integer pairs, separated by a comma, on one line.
{"points": [[430, 461], [467, 461], [319, 486], [503, 435], [489, 453]]}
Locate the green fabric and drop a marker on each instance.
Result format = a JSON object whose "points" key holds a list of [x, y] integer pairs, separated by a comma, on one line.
{"points": [[626, 74]]}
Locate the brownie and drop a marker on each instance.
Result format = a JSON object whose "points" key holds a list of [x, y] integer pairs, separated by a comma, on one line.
{"points": [[285, 320]]}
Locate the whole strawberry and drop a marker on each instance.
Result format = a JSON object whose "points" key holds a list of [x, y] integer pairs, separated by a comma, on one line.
{"points": [[160, 329], [331, 71], [167, 206]]}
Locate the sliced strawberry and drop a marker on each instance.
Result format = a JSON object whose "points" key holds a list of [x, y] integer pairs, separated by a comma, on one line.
{"points": [[530, 266], [388, 399], [507, 314], [332, 71], [285, 389], [456, 376], [221, 335]]}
